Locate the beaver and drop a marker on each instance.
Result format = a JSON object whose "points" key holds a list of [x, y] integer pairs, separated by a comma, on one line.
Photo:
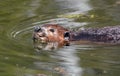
{"points": [[51, 33], [57, 33]]}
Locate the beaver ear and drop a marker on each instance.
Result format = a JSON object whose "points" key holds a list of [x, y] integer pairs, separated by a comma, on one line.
{"points": [[67, 38], [66, 35]]}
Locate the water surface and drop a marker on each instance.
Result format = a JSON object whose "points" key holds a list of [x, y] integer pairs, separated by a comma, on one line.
{"points": [[18, 57]]}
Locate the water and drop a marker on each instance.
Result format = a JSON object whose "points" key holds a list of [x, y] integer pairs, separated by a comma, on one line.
{"points": [[20, 57]]}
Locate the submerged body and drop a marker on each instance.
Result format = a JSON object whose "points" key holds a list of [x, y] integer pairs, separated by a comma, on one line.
{"points": [[106, 34], [57, 33]]}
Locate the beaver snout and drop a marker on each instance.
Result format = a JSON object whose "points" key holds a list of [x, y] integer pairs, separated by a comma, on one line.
{"points": [[39, 34], [39, 31]]}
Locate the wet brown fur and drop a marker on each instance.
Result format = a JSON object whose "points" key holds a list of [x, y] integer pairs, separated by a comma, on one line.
{"points": [[51, 37], [60, 31]]}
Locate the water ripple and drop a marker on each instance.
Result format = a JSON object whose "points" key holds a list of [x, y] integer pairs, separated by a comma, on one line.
{"points": [[69, 23]]}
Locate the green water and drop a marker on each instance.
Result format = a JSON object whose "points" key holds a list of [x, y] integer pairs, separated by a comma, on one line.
{"points": [[18, 57]]}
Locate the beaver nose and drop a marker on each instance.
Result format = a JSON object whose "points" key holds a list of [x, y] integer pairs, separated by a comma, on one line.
{"points": [[37, 29]]}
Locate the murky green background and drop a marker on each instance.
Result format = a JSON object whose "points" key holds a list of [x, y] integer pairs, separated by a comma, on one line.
{"points": [[18, 57]]}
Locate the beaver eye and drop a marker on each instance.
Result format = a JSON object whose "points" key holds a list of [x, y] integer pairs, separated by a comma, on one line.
{"points": [[52, 30]]}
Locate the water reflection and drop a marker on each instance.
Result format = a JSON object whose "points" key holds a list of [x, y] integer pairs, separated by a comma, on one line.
{"points": [[76, 6], [50, 46], [67, 54], [69, 60]]}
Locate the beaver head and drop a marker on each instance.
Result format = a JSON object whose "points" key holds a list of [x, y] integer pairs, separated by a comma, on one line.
{"points": [[51, 33]]}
